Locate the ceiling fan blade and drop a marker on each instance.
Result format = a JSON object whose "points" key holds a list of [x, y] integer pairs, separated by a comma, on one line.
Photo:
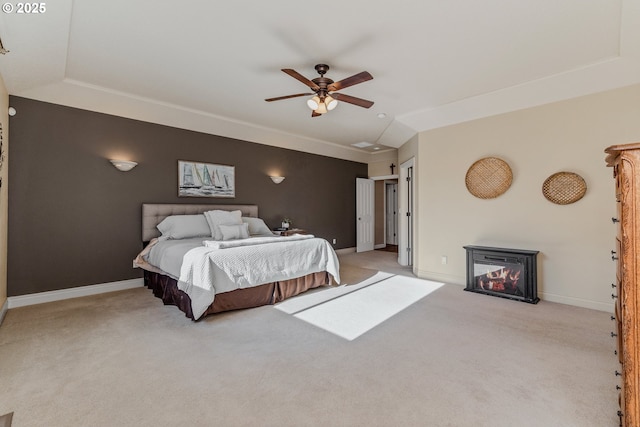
{"points": [[301, 78], [352, 100], [350, 81], [288, 96], [314, 114]]}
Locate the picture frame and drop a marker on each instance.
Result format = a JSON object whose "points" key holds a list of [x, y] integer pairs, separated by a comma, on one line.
{"points": [[197, 179]]}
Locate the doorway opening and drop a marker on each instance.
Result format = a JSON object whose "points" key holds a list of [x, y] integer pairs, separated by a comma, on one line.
{"points": [[385, 218]]}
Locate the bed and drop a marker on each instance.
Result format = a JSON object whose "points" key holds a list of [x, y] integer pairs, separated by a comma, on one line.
{"points": [[232, 267]]}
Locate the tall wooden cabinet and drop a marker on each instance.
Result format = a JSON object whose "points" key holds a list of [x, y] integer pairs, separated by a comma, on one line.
{"points": [[625, 161]]}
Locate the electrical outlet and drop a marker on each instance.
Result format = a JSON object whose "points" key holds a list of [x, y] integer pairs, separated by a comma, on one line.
{"points": [[335, 241], [444, 259]]}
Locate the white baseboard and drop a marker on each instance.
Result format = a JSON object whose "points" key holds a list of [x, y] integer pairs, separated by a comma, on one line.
{"points": [[440, 277], [81, 291], [380, 246], [577, 302], [3, 310], [545, 296]]}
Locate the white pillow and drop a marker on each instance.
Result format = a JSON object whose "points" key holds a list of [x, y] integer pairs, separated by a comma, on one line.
{"points": [[217, 218], [184, 226], [232, 232], [257, 227]]}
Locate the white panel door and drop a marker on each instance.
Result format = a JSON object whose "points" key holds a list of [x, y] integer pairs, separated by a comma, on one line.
{"points": [[365, 227]]}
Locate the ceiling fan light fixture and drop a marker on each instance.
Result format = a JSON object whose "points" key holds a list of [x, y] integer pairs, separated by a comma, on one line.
{"points": [[330, 102], [322, 108], [314, 102]]}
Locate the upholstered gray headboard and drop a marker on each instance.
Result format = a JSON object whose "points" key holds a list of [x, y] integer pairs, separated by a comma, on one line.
{"points": [[154, 213]]}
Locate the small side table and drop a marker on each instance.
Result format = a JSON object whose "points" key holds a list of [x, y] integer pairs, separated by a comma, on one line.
{"points": [[291, 231]]}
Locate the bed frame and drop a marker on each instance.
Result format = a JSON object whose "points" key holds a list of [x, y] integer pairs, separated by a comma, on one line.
{"points": [[166, 288]]}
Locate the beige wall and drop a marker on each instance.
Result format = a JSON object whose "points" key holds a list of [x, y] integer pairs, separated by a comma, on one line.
{"points": [[379, 163], [574, 241], [4, 119], [408, 150]]}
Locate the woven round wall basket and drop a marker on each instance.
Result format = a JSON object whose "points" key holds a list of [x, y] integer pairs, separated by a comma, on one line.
{"points": [[488, 178], [564, 188]]}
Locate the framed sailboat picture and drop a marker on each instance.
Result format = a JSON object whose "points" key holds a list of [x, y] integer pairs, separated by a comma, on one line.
{"points": [[205, 180]]}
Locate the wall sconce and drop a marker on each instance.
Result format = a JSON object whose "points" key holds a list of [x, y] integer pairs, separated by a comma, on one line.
{"points": [[123, 165], [277, 179]]}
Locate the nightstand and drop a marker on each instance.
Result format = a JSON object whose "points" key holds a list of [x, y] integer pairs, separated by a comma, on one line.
{"points": [[291, 231]]}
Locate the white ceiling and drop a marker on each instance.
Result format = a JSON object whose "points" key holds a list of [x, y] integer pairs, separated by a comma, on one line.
{"points": [[208, 65]]}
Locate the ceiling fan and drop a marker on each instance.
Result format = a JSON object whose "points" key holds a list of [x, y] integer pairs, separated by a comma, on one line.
{"points": [[324, 90]]}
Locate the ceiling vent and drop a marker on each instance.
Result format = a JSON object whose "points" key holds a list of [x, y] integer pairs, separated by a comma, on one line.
{"points": [[362, 144]]}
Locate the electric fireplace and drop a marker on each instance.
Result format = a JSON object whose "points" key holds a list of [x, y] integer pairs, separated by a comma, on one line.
{"points": [[505, 273]]}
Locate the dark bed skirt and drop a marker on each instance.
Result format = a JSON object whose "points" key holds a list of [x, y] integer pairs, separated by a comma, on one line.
{"points": [[166, 288]]}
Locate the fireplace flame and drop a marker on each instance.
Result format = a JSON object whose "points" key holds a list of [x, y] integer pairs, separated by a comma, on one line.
{"points": [[515, 276], [502, 280]]}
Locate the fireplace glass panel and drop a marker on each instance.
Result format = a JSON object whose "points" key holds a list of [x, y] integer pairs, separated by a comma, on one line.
{"points": [[503, 278]]}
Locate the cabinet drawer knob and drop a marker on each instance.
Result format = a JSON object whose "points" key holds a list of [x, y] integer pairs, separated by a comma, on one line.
{"points": [[613, 334], [614, 220], [613, 285], [618, 387], [614, 258], [613, 318], [614, 296], [618, 374]]}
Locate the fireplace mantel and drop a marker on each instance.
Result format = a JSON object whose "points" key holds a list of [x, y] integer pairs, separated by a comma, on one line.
{"points": [[501, 272]]}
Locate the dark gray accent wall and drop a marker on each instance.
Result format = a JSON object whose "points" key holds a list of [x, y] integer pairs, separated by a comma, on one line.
{"points": [[74, 219]]}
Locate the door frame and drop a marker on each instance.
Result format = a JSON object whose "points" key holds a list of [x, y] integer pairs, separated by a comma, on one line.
{"points": [[391, 201], [406, 209]]}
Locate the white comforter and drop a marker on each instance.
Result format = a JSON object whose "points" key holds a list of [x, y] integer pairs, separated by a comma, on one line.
{"points": [[225, 266]]}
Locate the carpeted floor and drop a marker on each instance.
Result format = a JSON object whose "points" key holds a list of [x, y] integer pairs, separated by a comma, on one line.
{"points": [[453, 358]]}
